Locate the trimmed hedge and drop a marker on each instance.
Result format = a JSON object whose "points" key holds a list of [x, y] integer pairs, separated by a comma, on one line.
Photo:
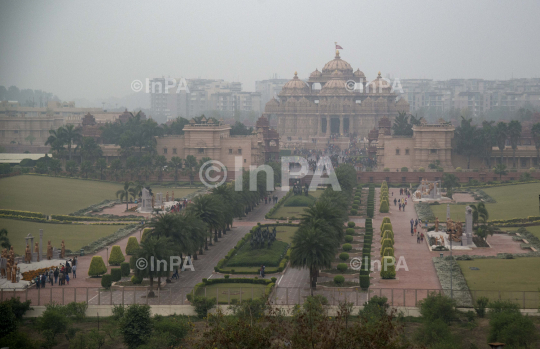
{"points": [[349, 231], [342, 267], [132, 246], [348, 238], [351, 224], [136, 280], [347, 247], [97, 266], [116, 274], [354, 212], [124, 267], [106, 281], [390, 272], [116, 257], [344, 256], [339, 279], [23, 213]]}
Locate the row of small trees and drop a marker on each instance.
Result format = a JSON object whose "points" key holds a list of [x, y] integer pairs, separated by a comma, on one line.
{"points": [[388, 270], [371, 202], [366, 255], [384, 207]]}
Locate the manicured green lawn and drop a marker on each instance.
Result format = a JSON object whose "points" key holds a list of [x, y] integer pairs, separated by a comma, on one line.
{"points": [[50, 195], [236, 291], [513, 201], [535, 230], [248, 257], [509, 276], [75, 236], [288, 212], [285, 234]]}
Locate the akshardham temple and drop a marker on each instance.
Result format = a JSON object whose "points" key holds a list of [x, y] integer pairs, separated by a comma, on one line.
{"points": [[335, 101]]}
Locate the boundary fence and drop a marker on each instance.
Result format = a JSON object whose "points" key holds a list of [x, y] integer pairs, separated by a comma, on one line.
{"points": [[279, 296]]}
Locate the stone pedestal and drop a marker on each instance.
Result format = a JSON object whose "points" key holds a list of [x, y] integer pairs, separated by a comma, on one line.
{"points": [[447, 211]]}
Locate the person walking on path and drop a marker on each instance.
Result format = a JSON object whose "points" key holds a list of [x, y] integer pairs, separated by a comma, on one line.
{"points": [[395, 202], [421, 237], [412, 232], [67, 278], [417, 239], [400, 206], [56, 272], [43, 280], [37, 280], [404, 207], [51, 277], [74, 270]]}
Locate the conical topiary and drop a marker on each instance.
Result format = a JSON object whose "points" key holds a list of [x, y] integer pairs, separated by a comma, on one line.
{"points": [[386, 243], [385, 220], [388, 234], [386, 226], [116, 256], [132, 246], [388, 269], [384, 207], [97, 266], [388, 252]]}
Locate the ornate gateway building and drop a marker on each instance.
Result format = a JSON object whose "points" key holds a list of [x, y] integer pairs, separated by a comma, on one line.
{"points": [[334, 101]]}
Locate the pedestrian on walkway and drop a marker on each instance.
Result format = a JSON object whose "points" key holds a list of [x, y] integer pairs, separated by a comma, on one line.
{"points": [[43, 280], [37, 281], [67, 278], [395, 201], [417, 239], [400, 206], [51, 277], [412, 232], [56, 272], [422, 237], [74, 269], [412, 222]]}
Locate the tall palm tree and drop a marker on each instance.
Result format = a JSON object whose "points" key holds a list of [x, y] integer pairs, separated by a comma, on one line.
{"points": [[153, 248], [126, 193], [502, 136], [488, 140], [207, 208], [191, 168], [500, 169], [71, 135], [4, 240], [312, 248], [55, 140], [535, 131], [176, 164], [514, 133], [323, 210]]}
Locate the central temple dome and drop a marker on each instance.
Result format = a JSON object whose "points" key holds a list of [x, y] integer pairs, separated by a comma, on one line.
{"points": [[336, 85], [337, 64]]}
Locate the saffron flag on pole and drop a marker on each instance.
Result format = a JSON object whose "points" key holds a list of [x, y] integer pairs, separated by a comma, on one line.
{"points": [[338, 47]]}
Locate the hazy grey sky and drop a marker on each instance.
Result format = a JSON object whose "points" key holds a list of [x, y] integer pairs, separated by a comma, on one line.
{"points": [[94, 49]]}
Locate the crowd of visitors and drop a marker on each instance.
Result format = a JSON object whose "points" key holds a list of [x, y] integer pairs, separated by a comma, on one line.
{"points": [[60, 275]]}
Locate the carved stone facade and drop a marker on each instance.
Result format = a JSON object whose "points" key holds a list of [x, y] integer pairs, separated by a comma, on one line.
{"points": [[429, 143], [345, 103]]}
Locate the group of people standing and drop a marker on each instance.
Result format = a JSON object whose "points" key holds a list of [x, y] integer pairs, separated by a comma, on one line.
{"points": [[59, 275], [416, 231], [270, 199]]}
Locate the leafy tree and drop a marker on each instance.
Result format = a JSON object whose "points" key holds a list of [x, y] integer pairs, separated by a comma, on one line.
{"points": [[160, 163], [71, 167], [240, 129], [89, 149], [30, 139], [101, 164], [403, 124], [86, 168], [514, 133], [500, 169], [191, 168], [4, 240], [8, 321], [535, 132], [176, 164], [467, 139], [55, 166], [207, 208], [487, 140], [126, 192], [479, 213], [136, 325], [156, 248], [177, 126], [450, 181], [501, 136]]}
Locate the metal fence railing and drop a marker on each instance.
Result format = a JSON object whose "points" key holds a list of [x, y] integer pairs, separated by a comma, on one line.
{"points": [[397, 297]]}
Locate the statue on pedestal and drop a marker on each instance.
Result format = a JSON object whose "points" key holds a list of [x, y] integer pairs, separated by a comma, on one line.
{"points": [[436, 223], [49, 250], [14, 273], [36, 250], [11, 255], [63, 250], [27, 255], [8, 270]]}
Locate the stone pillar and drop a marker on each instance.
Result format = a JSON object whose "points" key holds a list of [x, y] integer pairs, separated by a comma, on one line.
{"points": [[40, 244], [447, 209], [468, 226]]}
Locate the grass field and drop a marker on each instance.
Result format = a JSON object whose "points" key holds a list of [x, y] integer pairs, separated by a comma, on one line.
{"points": [[535, 230], [513, 201], [288, 212], [75, 236], [248, 257], [226, 292], [285, 234], [509, 276], [51, 195]]}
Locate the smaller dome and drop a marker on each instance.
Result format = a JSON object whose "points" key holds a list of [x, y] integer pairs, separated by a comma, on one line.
{"points": [[315, 74], [379, 84], [359, 74], [295, 86]]}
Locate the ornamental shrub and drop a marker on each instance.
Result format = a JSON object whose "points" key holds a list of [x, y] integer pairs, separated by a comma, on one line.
{"points": [[351, 224], [339, 280], [347, 247], [388, 252], [116, 256], [421, 169], [116, 274], [384, 207], [136, 325], [125, 268], [386, 243], [342, 267], [354, 212], [354, 206], [97, 266], [388, 234], [388, 270], [132, 246], [136, 280], [385, 220], [344, 256], [106, 281], [348, 238], [404, 169], [386, 226], [364, 281]]}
